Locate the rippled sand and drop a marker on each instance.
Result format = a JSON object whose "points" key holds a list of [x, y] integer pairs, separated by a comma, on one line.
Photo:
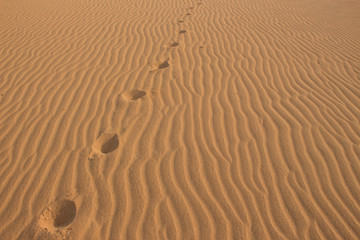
{"points": [[232, 119]]}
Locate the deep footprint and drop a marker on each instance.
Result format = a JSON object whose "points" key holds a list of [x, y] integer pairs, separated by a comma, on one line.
{"points": [[164, 64], [160, 65], [173, 44], [110, 145], [134, 95], [58, 215], [104, 144]]}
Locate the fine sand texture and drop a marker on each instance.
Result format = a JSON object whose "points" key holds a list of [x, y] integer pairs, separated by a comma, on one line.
{"points": [[189, 119]]}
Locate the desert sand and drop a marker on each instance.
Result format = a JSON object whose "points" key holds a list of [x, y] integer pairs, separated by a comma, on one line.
{"points": [[190, 119]]}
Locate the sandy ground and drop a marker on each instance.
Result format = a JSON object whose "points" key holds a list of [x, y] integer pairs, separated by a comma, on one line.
{"points": [[154, 119]]}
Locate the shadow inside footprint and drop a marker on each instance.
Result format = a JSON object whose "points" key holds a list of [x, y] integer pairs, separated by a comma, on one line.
{"points": [[104, 144], [174, 44], [159, 65], [110, 145], [57, 215], [134, 95], [182, 31], [164, 64]]}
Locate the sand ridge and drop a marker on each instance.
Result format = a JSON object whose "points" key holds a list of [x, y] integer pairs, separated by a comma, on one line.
{"points": [[180, 119]]}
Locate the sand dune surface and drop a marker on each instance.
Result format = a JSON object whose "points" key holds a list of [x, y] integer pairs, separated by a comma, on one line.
{"points": [[190, 119]]}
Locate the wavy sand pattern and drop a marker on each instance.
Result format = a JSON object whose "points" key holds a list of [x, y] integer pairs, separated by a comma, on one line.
{"points": [[180, 119]]}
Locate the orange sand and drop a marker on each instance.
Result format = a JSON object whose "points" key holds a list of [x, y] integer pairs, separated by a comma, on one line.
{"points": [[234, 119]]}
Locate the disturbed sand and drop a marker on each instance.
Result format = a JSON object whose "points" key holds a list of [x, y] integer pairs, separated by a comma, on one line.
{"points": [[232, 119]]}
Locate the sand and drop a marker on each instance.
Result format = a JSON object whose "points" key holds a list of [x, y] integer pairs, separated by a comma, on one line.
{"points": [[232, 119]]}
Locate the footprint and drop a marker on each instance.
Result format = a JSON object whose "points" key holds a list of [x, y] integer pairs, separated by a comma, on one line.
{"points": [[160, 65], [59, 214], [134, 95], [104, 144], [173, 44], [182, 31], [164, 64], [188, 14], [180, 21]]}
